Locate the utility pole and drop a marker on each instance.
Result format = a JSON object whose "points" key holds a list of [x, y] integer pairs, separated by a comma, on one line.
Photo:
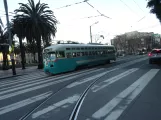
{"points": [[90, 34], [90, 28], [9, 37]]}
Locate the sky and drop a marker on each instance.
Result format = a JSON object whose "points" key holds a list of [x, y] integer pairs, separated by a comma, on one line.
{"points": [[125, 16]]}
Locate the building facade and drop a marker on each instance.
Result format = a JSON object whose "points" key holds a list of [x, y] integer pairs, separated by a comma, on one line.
{"points": [[131, 42]]}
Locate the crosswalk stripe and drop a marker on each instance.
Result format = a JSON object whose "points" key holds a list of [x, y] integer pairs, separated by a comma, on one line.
{"points": [[23, 103], [111, 80], [19, 81], [35, 88], [29, 80], [57, 77], [69, 100], [28, 77], [132, 90], [132, 62], [38, 82], [89, 79]]}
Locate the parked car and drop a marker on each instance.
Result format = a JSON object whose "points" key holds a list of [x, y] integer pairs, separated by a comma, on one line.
{"points": [[155, 56]]}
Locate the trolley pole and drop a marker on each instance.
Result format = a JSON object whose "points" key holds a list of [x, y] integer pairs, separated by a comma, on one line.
{"points": [[9, 37]]}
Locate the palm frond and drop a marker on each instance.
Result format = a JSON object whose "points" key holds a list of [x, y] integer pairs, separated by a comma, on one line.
{"points": [[153, 3], [32, 4]]}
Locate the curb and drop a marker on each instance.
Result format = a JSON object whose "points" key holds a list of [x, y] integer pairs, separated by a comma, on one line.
{"points": [[11, 76]]}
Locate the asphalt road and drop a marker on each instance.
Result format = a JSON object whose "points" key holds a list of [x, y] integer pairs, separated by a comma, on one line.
{"points": [[128, 89]]}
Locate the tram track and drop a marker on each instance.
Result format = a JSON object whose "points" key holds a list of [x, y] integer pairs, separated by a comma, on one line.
{"points": [[82, 97], [63, 75]]}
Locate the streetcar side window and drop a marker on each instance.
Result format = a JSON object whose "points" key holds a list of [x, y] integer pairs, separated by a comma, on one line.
{"points": [[78, 48], [60, 54], [82, 48], [68, 55], [90, 53], [78, 53], [82, 54], [106, 52], [74, 54], [86, 53], [67, 48], [93, 52]]}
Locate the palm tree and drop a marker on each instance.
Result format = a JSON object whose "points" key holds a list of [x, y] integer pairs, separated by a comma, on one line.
{"points": [[1, 26], [32, 48], [19, 31], [155, 6], [17, 50], [4, 48], [38, 24], [3, 44]]}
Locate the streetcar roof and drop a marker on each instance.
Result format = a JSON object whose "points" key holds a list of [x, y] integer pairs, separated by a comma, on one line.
{"points": [[64, 46]]}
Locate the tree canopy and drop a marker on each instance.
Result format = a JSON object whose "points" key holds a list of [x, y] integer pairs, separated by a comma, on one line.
{"points": [[155, 6], [36, 23]]}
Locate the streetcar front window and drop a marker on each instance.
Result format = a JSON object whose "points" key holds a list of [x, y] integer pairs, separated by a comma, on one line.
{"points": [[51, 55]]}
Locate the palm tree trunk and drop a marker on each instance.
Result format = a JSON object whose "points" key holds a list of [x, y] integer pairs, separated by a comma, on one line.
{"points": [[22, 53], [40, 59], [4, 60], [34, 57]]}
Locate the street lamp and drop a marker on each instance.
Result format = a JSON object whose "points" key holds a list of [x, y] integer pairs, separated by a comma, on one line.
{"points": [[91, 30]]}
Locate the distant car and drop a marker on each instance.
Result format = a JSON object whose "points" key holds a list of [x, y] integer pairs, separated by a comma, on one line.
{"points": [[155, 56], [141, 52]]}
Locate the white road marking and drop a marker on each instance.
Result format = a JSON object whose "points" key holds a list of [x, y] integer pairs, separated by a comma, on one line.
{"points": [[116, 67], [144, 80], [36, 87], [125, 58], [20, 80], [39, 81], [109, 81], [57, 77], [21, 77], [131, 62], [23, 103], [62, 103], [132, 91], [89, 79], [33, 88]]}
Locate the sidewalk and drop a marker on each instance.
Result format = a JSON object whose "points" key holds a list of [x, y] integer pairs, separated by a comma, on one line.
{"points": [[19, 71]]}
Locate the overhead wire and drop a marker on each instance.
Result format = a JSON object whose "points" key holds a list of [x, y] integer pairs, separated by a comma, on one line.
{"points": [[141, 10], [138, 6], [129, 7], [141, 19], [94, 8], [90, 17], [71, 4], [135, 12], [97, 10]]}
